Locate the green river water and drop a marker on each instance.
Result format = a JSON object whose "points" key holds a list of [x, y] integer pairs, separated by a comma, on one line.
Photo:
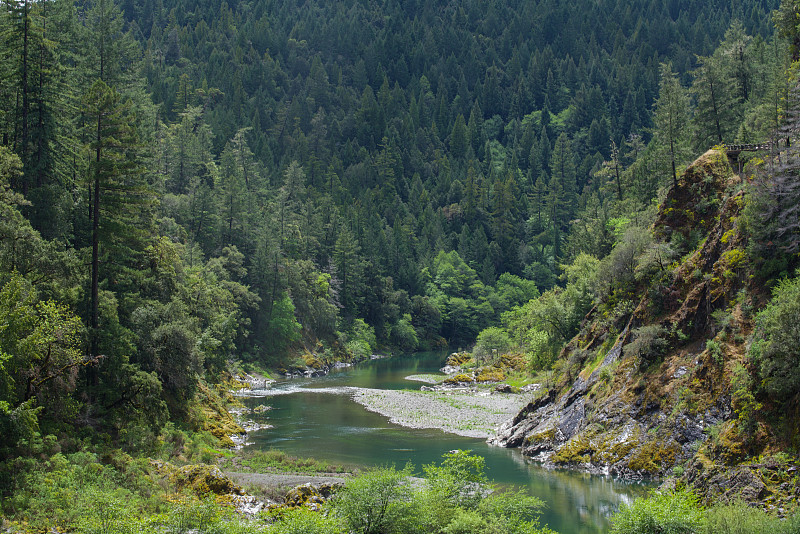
{"points": [[314, 418]]}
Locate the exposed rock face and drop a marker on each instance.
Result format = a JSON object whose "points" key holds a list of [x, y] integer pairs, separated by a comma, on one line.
{"points": [[627, 415]]}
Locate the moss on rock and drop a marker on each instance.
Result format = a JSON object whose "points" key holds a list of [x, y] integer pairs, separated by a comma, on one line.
{"points": [[203, 480], [460, 378]]}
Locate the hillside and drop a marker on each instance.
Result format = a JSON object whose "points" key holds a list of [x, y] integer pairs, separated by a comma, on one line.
{"points": [[661, 388]]}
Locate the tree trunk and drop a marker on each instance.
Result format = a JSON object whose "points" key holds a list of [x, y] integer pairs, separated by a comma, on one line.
{"points": [[96, 247]]}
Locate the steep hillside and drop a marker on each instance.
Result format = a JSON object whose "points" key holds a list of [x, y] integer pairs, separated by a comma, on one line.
{"points": [[655, 390]]}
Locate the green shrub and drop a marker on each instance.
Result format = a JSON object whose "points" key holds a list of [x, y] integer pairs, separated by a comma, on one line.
{"points": [[648, 343], [369, 503], [458, 479], [489, 340], [777, 345], [663, 513], [304, 521], [364, 333], [739, 518], [193, 515], [359, 349], [715, 350], [403, 335], [465, 522], [514, 512]]}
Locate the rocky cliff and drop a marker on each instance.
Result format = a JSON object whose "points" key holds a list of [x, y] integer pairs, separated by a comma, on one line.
{"points": [[647, 392]]}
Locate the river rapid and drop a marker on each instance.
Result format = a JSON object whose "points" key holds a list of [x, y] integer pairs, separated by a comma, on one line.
{"points": [[317, 417]]}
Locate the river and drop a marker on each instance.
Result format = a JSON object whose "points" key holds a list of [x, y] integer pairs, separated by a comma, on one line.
{"points": [[316, 418]]}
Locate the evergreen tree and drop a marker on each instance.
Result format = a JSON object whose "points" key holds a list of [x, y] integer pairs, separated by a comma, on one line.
{"points": [[563, 177], [671, 118], [349, 271], [787, 23], [715, 112], [119, 195], [459, 140]]}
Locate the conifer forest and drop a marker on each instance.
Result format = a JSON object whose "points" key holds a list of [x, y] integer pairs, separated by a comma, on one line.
{"points": [[593, 200]]}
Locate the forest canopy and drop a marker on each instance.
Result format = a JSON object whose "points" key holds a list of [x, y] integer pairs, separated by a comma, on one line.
{"points": [[188, 183]]}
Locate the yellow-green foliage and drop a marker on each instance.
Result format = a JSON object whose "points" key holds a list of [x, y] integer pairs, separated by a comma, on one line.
{"points": [[734, 258], [577, 450], [302, 495], [726, 443], [211, 414], [461, 377], [727, 236], [614, 452], [458, 358], [653, 456], [547, 435], [593, 446], [490, 374], [311, 360], [203, 479]]}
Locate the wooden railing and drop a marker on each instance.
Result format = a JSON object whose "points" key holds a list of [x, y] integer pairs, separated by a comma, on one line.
{"points": [[735, 150]]}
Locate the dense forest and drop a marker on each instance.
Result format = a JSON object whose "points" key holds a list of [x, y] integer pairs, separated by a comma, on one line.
{"points": [[188, 184]]}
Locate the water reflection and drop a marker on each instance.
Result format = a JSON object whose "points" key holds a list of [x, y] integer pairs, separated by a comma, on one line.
{"points": [[316, 418]]}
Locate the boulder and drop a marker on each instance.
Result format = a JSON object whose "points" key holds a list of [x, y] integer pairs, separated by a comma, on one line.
{"points": [[205, 479], [309, 495], [503, 388]]}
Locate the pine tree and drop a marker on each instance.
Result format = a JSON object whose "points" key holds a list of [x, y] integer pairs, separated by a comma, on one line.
{"points": [[111, 53], [39, 128], [349, 270], [787, 22], [119, 195], [671, 119], [459, 138], [563, 172], [716, 105]]}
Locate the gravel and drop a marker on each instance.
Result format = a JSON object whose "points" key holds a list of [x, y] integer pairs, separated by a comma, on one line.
{"points": [[274, 480], [470, 414], [428, 379]]}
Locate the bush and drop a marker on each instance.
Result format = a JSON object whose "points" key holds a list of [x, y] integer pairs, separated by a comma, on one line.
{"points": [[403, 335], [739, 518], [489, 340], [305, 521], [648, 343], [363, 333], [369, 503], [465, 522], [714, 348], [459, 479], [359, 350], [776, 349], [664, 513], [514, 512]]}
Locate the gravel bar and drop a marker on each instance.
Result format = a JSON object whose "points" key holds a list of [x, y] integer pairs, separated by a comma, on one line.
{"points": [[474, 415], [428, 379], [272, 480]]}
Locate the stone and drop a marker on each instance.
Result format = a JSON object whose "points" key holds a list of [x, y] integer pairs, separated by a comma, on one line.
{"points": [[204, 479], [681, 371], [309, 495]]}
